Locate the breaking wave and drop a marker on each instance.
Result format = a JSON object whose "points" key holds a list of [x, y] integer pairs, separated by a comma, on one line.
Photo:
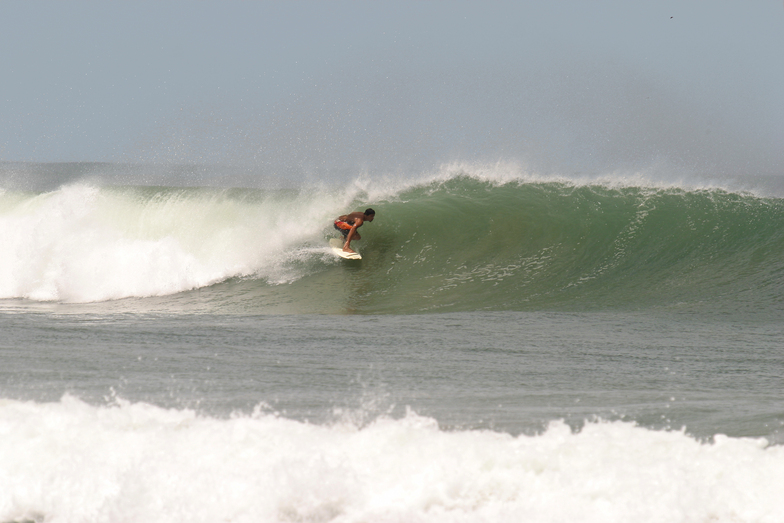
{"points": [[463, 240]]}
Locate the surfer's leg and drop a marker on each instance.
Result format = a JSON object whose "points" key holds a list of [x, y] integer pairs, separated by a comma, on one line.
{"points": [[347, 244]]}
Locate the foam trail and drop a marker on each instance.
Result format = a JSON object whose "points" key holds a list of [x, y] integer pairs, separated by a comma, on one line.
{"points": [[69, 461]]}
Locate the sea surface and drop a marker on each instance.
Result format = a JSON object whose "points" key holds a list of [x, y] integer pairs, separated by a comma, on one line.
{"points": [[179, 344]]}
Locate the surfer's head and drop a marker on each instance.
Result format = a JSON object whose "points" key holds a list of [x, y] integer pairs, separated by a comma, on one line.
{"points": [[370, 213]]}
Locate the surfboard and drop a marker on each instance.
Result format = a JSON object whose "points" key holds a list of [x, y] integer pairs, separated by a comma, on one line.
{"points": [[337, 248]]}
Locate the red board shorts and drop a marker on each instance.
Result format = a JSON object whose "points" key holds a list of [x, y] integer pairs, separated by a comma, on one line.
{"points": [[343, 227]]}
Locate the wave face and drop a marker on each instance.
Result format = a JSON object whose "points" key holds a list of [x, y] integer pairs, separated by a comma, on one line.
{"points": [[69, 461], [466, 243], [458, 242]]}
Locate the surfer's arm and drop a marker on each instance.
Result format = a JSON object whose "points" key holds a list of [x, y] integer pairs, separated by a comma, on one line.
{"points": [[352, 233]]}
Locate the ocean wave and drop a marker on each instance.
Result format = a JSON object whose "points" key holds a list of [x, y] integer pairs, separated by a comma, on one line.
{"points": [[463, 238]]}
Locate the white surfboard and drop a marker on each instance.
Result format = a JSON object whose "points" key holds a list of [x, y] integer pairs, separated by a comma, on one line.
{"points": [[337, 248]]}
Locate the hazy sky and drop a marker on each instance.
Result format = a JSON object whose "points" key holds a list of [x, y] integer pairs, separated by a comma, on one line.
{"points": [[582, 84]]}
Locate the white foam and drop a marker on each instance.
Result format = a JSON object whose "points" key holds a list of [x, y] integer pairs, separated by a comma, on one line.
{"points": [[69, 461], [82, 243]]}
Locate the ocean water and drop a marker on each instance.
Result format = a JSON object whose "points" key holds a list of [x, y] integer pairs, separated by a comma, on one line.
{"points": [[180, 345]]}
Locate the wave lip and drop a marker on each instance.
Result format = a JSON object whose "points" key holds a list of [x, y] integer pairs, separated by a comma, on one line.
{"points": [[135, 462]]}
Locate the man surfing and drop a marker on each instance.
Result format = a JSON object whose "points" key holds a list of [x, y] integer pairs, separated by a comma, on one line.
{"points": [[348, 224]]}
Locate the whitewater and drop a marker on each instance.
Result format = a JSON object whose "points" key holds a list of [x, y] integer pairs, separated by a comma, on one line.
{"points": [[141, 463], [513, 346]]}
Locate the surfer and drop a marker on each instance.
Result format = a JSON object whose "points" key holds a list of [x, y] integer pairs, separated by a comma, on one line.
{"points": [[348, 224]]}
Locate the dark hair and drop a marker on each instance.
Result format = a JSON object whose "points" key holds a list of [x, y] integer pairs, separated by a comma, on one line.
{"points": [[369, 212]]}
